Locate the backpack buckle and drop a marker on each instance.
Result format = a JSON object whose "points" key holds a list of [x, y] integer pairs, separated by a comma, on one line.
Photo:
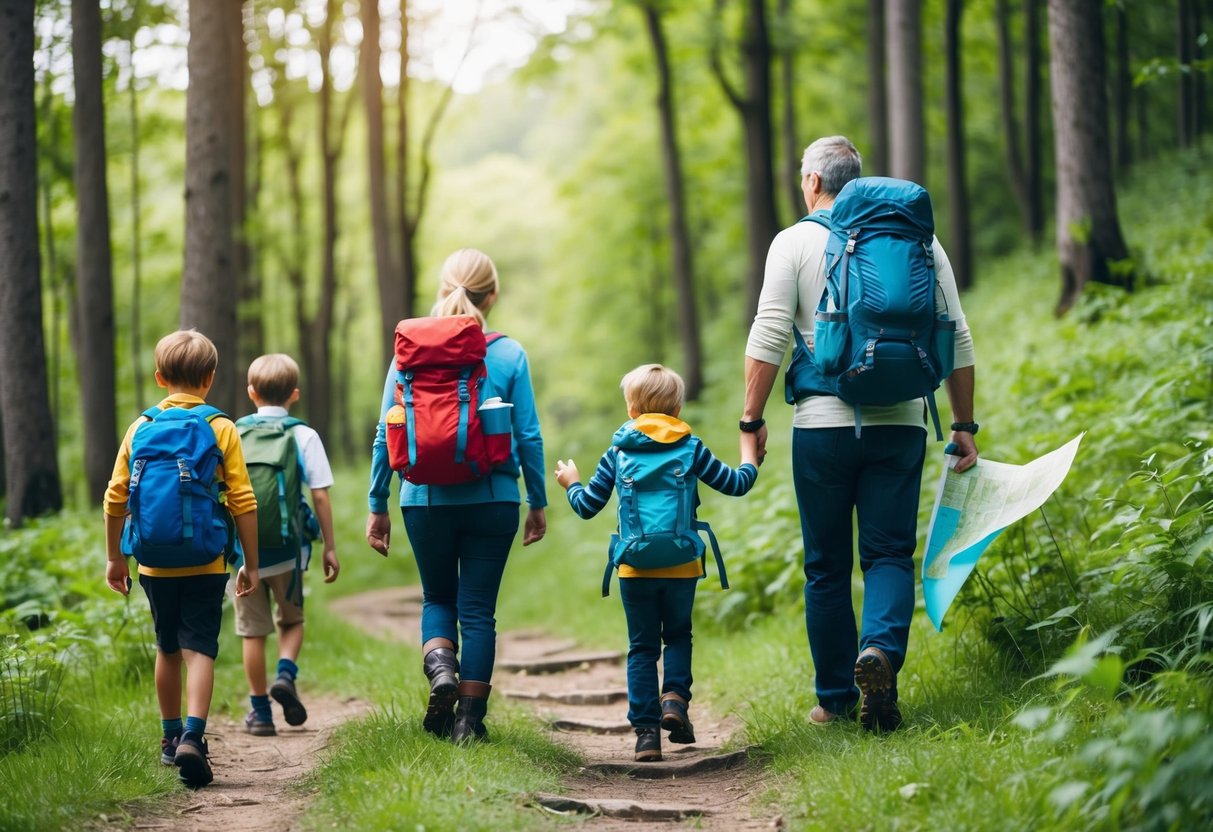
{"points": [[851, 242], [464, 395], [183, 471]]}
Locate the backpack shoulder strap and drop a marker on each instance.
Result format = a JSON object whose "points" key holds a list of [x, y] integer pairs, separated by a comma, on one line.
{"points": [[208, 412], [151, 413], [491, 338], [702, 526], [821, 217], [291, 421]]}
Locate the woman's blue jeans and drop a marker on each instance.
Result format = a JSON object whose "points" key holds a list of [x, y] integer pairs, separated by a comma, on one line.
{"points": [[874, 478], [657, 610], [461, 553]]}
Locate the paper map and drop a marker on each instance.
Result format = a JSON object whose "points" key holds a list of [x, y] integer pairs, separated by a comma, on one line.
{"points": [[972, 508]]}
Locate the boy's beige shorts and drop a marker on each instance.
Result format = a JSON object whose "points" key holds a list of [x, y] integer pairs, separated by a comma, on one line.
{"points": [[253, 611]]}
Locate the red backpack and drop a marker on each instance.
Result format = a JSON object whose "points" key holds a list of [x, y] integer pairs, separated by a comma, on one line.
{"points": [[435, 431]]}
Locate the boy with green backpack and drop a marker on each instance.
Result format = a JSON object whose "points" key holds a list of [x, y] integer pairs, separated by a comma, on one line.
{"points": [[656, 463], [282, 454]]}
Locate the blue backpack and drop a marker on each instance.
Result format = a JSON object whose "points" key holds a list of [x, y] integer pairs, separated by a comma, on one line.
{"points": [[175, 517], [876, 337], [657, 501]]}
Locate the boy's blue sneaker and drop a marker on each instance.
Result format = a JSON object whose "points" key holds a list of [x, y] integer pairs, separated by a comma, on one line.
{"points": [[675, 720], [259, 727], [168, 751], [191, 761], [283, 692]]}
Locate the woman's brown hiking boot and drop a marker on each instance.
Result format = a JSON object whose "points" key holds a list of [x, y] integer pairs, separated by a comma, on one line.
{"points": [[442, 669], [878, 684], [470, 711]]}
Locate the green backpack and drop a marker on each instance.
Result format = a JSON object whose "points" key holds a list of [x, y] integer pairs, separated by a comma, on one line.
{"points": [[283, 516]]}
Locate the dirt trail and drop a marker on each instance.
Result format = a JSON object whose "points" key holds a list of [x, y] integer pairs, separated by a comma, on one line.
{"points": [[253, 775], [582, 695]]}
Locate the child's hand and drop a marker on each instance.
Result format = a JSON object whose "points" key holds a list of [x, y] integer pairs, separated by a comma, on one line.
{"points": [[247, 581], [749, 449], [118, 576], [331, 566], [566, 473], [379, 532]]}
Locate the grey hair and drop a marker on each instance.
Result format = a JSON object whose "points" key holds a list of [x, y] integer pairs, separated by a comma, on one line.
{"points": [[834, 159]]}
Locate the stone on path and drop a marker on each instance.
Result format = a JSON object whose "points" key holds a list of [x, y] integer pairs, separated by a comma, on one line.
{"points": [[670, 769], [558, 664], [606, 696], [622, 809]]}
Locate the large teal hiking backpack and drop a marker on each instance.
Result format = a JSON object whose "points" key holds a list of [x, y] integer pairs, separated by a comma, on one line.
{"points": [[285, 523], [658, 496], [877, 339], [175, 516]]}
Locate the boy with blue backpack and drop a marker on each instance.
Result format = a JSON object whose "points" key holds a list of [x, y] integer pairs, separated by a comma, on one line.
{"points": [[283, 454], [178, 497], [655, 463]]}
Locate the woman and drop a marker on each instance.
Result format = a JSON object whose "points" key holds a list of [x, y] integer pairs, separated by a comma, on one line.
{"points": [[462, 534]]}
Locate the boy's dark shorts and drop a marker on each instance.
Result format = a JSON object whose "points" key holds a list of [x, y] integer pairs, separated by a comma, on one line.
{"points": [[186, 612]]}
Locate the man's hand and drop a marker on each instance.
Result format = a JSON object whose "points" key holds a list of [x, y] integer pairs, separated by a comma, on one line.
{"points": [[536, 526], [966, 450], [331, 566], [247, 581], [118, 576], [567, 473], [379, 532]]}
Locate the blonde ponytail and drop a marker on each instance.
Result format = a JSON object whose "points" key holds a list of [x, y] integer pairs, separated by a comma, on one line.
{"points": [[469, 280]]}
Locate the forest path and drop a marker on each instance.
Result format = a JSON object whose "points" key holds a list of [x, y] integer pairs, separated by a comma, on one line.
{"points": [[582, 696], [254, 776]]}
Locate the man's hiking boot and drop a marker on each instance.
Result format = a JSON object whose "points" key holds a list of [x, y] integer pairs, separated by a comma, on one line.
{"points": [[648, 745], [469, 713], [194, 770], [168, 751], [283, 692], [878, 684], [442, 669], [259, 727], [675, 720]]}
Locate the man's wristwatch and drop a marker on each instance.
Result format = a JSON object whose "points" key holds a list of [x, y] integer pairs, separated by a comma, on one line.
{"points": [[751, 427], [966, 427]]}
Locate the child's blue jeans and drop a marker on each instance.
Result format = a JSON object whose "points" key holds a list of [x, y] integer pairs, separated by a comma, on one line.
{"points": [[658, 610]]}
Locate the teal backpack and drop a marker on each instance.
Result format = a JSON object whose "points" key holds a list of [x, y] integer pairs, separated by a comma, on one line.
{"points": [[876, 337], [285, 523], [658, 496]]}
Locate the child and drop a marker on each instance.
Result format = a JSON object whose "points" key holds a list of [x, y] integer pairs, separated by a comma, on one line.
{"points": [[177, 485], [658, 601], [279, 448]]}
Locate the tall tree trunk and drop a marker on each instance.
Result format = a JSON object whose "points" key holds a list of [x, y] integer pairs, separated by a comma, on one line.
{"points": [[754, 108], [878, 91], [1124, 90], [960, 244], [791, 139], [1185, 41], [680, 240], [392, 305], [31, 476], [1199, 116], [907, 132], [209, 287], [407, 219], [136, 231], [1010, 121], [1033, 132], [250, 336], [94, 270], [1089, 238]]}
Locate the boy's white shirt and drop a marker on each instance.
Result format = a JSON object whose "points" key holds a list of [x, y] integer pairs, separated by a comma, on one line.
{"points": [[317, 473]]}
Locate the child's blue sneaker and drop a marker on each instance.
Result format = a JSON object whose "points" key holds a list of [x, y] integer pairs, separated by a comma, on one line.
{"points": [[259, 727], [168, 751], [191, 761]]}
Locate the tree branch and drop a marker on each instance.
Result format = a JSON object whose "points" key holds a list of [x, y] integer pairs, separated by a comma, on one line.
{"points": [[730, 92]]}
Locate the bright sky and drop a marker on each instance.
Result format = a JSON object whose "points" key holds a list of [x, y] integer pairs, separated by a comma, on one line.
{"points": [[496, 36]]}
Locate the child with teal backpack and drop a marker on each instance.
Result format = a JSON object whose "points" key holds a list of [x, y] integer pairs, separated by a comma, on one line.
{"points": [[283, 455], [178, 488], [655, 463]]}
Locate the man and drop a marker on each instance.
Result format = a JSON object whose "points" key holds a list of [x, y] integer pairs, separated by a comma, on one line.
{"points": [[876, 475]]}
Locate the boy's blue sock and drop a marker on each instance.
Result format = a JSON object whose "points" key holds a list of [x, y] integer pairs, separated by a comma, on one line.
{"points": [[286, 667], [172, 728], [195, 727], [261, 707]]}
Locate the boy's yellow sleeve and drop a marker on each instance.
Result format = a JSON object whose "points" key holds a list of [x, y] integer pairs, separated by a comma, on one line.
{"points": [[118, 490], [240, 497]]}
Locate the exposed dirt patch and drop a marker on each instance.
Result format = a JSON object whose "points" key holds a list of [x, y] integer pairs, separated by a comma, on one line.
{"points": [[253, 775], [582, 695]]}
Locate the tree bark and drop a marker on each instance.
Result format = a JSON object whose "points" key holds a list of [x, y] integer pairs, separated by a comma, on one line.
{"points": [[209, 287], [960, 249], [680, 240], [1185, 41], [94, 269], [791, 139], [1124, 90], [878, 92], [754, 109], [1088, 229], [31, 476], [907, 132], [392, 306], [1010, 120], [250, 337], [408, 219], [1033, 132], [136, 229]]}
